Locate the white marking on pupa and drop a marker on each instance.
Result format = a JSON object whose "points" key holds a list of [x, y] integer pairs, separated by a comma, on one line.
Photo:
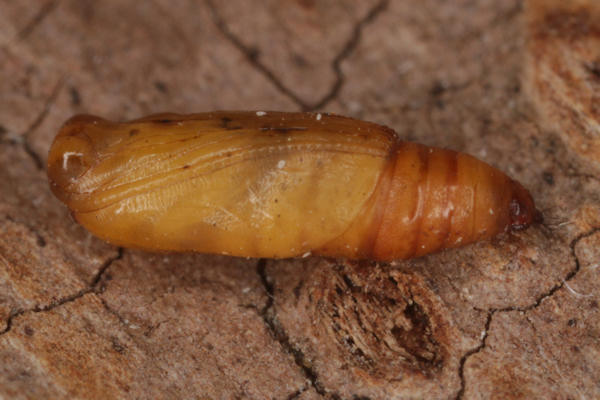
{"points": [[266, 214], [120, 209], [69, 154], [252, 196]]}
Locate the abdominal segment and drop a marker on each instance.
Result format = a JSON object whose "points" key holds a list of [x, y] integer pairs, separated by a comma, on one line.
{"points": [[429, 199]]}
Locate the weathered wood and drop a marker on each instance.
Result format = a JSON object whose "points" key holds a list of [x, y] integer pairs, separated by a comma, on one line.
{"points": [[516, 317]]}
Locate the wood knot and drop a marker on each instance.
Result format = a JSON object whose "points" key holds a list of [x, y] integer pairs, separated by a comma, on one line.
{"points": [[383, 321]]}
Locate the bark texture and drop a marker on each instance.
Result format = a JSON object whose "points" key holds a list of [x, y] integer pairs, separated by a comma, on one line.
{"points": [[515, 84]]}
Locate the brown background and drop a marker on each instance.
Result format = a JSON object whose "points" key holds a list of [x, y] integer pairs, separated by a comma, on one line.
{"points": [[516, 317]]}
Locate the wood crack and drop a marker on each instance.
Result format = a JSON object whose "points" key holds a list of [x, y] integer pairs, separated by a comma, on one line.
{"points": [[297, 393], [94, 287], [492, 311], [346, 51], [251, 55], [37, 122], [270, 319], [45, 10]]}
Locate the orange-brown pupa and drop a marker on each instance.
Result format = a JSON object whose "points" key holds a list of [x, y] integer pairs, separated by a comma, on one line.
{"points": [[273, 184]]}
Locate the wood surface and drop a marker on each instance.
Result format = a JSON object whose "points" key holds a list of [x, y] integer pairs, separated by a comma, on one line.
{"points": [[516, 317]]}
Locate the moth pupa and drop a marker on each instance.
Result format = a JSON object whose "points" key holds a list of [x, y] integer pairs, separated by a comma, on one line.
{"points": [[275, 184]]}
